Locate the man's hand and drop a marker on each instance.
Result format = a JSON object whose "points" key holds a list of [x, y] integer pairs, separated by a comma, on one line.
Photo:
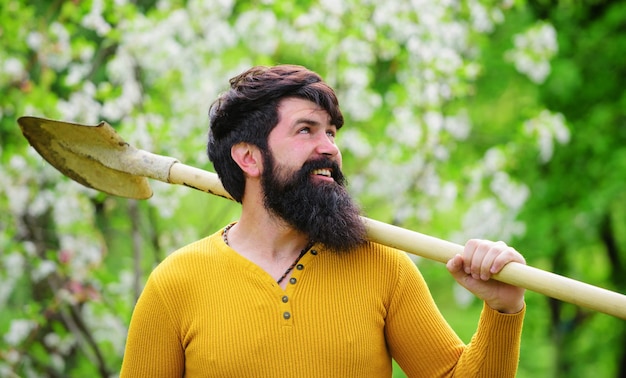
{"points": [[473, 270]]}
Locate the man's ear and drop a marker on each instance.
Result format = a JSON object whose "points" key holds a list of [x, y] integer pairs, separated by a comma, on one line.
{"points": [[248, 157]]}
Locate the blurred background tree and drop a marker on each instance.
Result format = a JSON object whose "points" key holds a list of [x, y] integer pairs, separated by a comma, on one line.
{"points": [[473, 118]]}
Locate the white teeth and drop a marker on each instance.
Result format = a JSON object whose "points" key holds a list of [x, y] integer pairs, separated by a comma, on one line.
{"points": [[322, 172]]}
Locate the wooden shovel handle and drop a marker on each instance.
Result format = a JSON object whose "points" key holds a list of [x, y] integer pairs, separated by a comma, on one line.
{"points": [[540, 281], [537, 280]]}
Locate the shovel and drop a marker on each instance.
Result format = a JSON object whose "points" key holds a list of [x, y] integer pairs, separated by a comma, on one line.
{"points": [[98, 158]]}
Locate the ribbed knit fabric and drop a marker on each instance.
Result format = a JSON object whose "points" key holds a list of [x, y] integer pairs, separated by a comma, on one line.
{"points": [[207, 311]]}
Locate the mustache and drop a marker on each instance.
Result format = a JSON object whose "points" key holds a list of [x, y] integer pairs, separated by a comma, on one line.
{"points": [[304, 173]]}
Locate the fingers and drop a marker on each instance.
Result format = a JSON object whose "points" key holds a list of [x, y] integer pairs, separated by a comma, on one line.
{"points": [[455, 264], [482, 258], [455, 267], [474, 267]]}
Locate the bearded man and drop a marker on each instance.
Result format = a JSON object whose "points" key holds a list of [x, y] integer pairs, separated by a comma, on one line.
{"points": [[293, 288]]}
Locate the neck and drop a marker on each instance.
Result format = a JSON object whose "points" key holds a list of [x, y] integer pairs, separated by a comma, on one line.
{"points": [[260, 235], [266, 237], [274, 255]]}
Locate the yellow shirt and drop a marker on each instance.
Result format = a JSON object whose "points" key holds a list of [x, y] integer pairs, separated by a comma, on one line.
{"points": [[207, 311]]}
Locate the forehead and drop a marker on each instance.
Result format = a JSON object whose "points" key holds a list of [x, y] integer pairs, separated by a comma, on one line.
{"points": [[294, 109]]}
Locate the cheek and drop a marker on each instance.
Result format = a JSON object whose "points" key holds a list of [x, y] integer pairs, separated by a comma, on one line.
{"points": [[295, 156]]}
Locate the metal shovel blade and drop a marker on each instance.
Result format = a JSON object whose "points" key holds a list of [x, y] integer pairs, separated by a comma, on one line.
{"points": [[89, 154]]}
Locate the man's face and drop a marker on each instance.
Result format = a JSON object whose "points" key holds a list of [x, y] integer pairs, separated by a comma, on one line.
{"points": [[302, 179], [304, 133]]}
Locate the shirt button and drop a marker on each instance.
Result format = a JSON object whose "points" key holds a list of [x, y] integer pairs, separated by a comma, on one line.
{"points": [[285, 299], [299, 266], [314, 252], [293, 281], [286, 315]]}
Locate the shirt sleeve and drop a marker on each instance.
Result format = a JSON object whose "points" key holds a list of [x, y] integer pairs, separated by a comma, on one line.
{"points": [[153, 347], [424, 345]]}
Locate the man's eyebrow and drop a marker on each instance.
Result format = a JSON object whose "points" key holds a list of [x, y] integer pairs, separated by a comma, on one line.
{"points": [[310, 122], [307, 121]]}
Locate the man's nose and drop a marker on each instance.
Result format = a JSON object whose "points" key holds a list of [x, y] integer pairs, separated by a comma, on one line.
{"points": [[326, 146]]}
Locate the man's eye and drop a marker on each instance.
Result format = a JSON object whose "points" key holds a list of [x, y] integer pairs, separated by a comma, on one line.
{"points": [[304, 130]]}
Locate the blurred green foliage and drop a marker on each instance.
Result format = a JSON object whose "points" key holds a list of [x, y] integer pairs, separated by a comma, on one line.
{"points": [[465, 119]]}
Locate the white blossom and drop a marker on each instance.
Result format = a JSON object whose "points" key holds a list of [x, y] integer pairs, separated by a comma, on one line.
{"points": [[481, 19], [94, 20], [429, 183], [57, 362], [405, 127], [358, 52], [82, 106], [13, 69], [77, 73], [260, 28], [42, 270], [5, 369], [105, 327], [448, 61], [57, 52], [73, 207], [86, 254], [362, 104], [34, 40], [493, 160], [52, 340], [13, 267], [513, 195], [353, 141], [533, 51], [123, 286], [548, 128], [488, 219], [458, 125], [434, 122], [447, 196], [334, 7], [18, 331], [167, 198], [441, 152], [18, 199]]}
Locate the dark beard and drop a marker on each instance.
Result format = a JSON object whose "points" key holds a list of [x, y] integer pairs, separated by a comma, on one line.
{"points": [[323, 211]]}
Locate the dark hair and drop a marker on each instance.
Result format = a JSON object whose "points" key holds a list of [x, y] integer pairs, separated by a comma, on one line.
{"points": [[248, 112]]}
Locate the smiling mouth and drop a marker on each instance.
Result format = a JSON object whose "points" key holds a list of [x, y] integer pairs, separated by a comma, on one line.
{"points": [[322, 172]]}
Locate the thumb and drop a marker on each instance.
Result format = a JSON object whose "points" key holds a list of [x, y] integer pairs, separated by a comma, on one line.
{"points": [[456, 269], [455, 266]]}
